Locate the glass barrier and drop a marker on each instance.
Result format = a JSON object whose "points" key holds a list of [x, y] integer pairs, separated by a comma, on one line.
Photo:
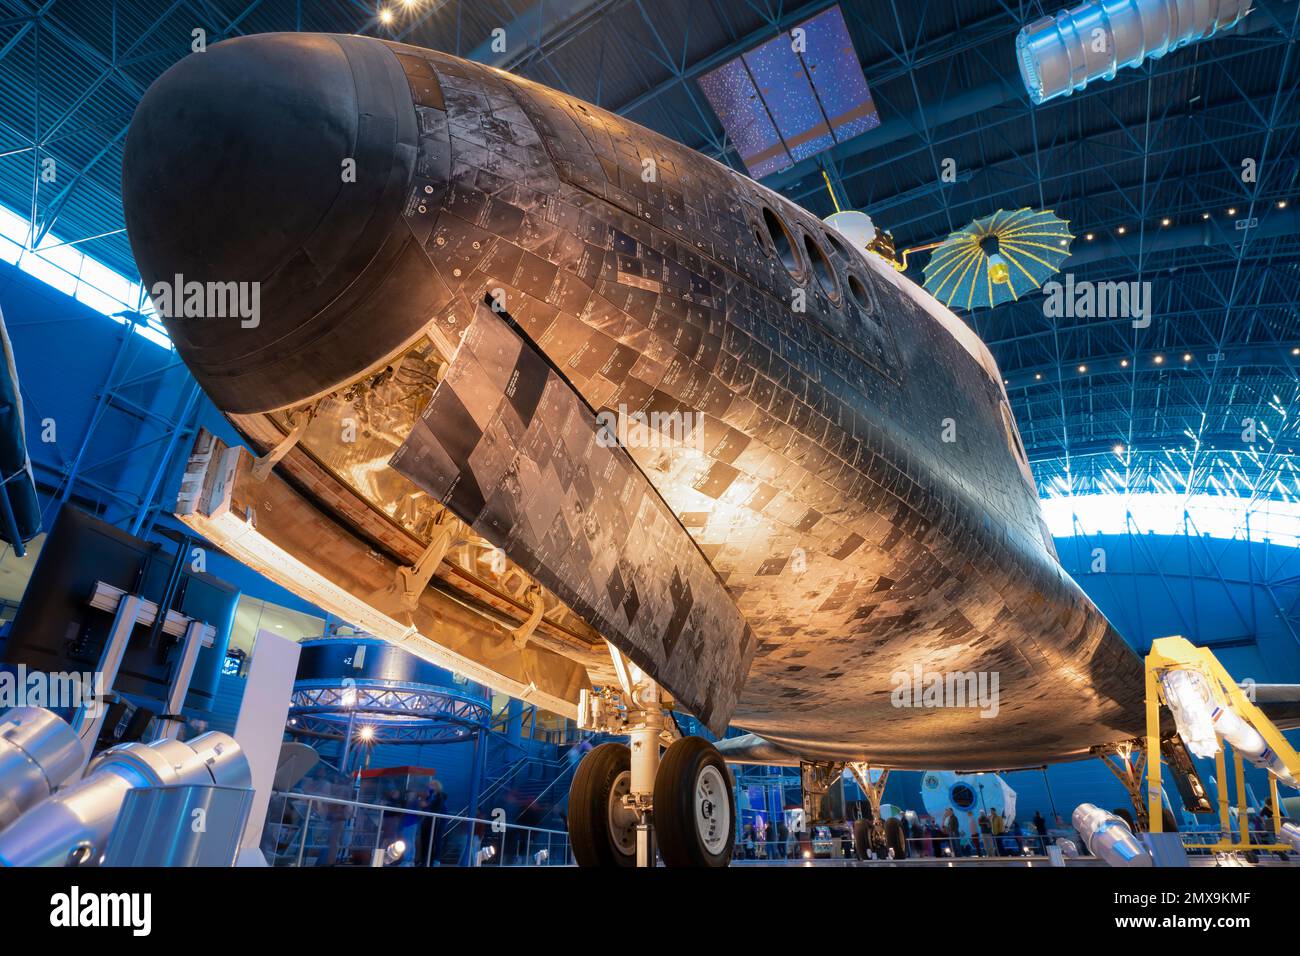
{"points": [[311, 830]]}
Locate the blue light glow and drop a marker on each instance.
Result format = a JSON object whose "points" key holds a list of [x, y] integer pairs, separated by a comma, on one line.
{"points": [[72, 272], [1214, 516]]}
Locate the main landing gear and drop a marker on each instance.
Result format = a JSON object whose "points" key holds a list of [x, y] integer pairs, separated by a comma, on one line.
{"points": [[626, 802]]}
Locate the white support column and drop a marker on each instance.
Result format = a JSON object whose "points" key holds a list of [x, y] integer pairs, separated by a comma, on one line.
{"points": [[260, 729], [87, 721], [180, 685]]}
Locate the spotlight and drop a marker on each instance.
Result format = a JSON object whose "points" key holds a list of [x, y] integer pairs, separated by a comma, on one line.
{"points": [[1187, 356], [998, 271], [1295, 351], [1205, 215], [1122, 229], [367, 733], [1083, 368], [1038, 376], [1281, 204], [1119, 449], [385, 16], [1123, 363], [1061, 242], [1160, 360], [1166, 221], [1232, 212], [1088, 237]]}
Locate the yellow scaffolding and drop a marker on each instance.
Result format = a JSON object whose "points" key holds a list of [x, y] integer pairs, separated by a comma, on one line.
{"points": [[1174, 653]]}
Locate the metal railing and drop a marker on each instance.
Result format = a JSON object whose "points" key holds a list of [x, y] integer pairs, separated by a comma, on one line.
{"points": [[807, 847], [1259, 840], [309, 830]]}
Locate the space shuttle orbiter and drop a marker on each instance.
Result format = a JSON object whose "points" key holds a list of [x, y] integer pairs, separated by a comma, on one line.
{"points": [[459, 272]]}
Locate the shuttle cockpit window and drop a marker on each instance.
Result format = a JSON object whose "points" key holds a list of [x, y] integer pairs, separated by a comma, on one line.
{"points": [[821, 267], [782, 242], [862, 295]]}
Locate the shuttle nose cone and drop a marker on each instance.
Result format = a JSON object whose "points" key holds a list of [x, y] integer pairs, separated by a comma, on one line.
{"points": [[263, 181]]}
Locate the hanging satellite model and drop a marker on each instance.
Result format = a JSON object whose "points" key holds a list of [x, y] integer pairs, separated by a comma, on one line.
{"points": [[997, 259]]}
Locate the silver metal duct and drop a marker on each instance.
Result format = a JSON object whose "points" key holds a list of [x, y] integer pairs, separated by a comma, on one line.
{"points": [[72, 827], [1061, 54], [38, 751]]}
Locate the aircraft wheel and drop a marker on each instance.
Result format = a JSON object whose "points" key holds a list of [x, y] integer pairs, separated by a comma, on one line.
{"points": [[602, 831], [862, 839], [894, 838], [693, 805]]}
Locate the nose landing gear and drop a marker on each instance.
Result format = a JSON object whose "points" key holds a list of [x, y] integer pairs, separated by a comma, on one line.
{"points": [[691, 810], [627, 805]]}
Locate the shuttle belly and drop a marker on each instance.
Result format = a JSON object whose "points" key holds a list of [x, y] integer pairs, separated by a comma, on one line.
{"points": [[847, 469]]}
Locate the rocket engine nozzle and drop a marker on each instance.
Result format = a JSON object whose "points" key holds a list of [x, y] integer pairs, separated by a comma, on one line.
{"points": [[1108, 837]]}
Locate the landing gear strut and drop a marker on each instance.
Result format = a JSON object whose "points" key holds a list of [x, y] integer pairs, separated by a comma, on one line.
{"points": [[625, 800], [878, 834]]}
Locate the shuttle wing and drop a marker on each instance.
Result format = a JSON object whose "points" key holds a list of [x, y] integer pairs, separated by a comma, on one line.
{"points": [[510, 447]]}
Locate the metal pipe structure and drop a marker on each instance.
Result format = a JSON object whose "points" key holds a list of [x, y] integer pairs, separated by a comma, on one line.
{"points": [[38, 752], [72, 827], [1108, 837], [1061, 54]]}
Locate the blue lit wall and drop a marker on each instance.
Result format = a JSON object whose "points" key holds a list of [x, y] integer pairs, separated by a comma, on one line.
{"points": [[64, 351]]}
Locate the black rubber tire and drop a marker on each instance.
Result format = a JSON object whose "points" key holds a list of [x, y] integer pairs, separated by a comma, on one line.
{"points": [[589, 834], [894, 838], [679, 843], [861, 839]]}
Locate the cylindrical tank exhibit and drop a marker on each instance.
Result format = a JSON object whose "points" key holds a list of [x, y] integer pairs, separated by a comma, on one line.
{"points": [[1063, 53], [72, 827], [38, 751]]}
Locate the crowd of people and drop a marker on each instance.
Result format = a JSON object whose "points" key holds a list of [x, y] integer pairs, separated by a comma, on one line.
{"points": [[954, 834]]}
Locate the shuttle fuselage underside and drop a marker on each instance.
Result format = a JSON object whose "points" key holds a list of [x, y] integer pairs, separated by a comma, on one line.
{"points": [[848, 498]]}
